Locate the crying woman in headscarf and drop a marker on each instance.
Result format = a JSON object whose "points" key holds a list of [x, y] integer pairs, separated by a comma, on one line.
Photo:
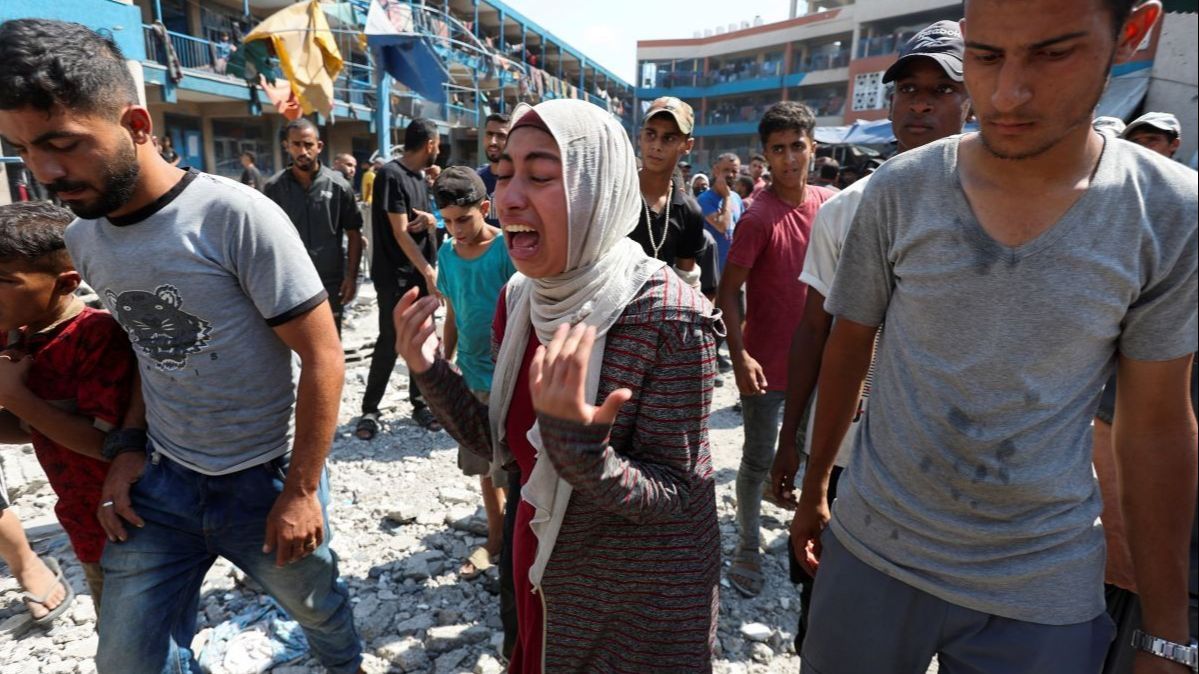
{"points": [[604, 369]]}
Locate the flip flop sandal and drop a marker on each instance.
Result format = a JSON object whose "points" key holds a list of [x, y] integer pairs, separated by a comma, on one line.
{"points": [[368, 427], [744, 579], [427, 420], [479, 561], [68, 597]]}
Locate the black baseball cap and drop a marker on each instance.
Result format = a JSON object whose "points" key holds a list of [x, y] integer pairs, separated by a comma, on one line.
{"points": [[941, 42], [459, 186]]}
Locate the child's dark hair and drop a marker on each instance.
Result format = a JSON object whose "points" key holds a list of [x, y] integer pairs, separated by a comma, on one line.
{"points": [[787, 116], [32, 232]]}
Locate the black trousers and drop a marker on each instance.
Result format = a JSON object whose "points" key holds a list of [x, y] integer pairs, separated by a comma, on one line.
{"points": [[800, 575], [333, 288], [383, 360], [507, 582]]}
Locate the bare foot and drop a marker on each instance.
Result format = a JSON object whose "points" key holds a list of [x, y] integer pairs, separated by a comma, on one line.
{"points": [[36, 579]]}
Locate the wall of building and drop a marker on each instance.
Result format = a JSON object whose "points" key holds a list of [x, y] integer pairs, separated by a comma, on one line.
{"points": [[120, 17], [1174, 83], [758, 37]]}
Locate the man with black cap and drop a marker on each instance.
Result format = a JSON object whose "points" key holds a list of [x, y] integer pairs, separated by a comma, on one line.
{"points": [[928, 102], [671, 227], [1016, 268], [1158, 131]]}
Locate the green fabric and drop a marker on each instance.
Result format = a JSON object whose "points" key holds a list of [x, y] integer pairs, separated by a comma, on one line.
{"points": [[250, 60]]}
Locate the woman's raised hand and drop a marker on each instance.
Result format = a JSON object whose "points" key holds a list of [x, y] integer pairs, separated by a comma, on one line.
{"points": [[558, 379], [416, 334]]}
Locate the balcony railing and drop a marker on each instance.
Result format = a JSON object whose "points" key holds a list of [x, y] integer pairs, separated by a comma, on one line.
{"points": [[883, 45], [827, 61], [193, 52], [744, 71]]}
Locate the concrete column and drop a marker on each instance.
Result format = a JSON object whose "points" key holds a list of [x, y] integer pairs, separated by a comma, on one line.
{"points": [[382, 115]]}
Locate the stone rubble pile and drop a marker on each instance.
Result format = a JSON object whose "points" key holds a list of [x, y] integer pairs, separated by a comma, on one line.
{"points": [[404, 519]]}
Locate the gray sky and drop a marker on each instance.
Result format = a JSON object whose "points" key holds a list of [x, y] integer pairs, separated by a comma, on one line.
{"points": [[608, 31]]}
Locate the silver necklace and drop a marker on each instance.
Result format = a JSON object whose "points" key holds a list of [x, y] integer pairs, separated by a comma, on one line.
{"points": [[649, 222]]}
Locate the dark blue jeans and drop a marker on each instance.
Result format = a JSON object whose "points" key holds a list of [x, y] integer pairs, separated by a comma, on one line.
{"points": [[152, 580]]}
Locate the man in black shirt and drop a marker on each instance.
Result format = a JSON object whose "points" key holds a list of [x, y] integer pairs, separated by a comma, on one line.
{"points": [[671, 227], [403, 233], [321, 205]]}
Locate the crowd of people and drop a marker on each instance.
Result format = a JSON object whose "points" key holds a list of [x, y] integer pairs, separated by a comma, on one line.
{"points": [[964, 480]]}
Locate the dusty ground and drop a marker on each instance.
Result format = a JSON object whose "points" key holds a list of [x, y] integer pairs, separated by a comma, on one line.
{"points": [[403, 518]]}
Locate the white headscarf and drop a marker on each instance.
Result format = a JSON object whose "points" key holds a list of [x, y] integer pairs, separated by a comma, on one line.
{"points": [[604, 272]]}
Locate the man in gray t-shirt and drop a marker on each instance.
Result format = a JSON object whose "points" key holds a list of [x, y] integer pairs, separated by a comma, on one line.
{"points": [[219, 297], [1014, 269]]}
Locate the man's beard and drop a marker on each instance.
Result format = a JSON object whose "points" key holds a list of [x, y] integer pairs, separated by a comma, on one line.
{"points": [[118, 182], [497, 154], [430, 160]]}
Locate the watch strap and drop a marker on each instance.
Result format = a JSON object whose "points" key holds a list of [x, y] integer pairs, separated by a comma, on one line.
{"points": [[1163, 648], [123, 440]]}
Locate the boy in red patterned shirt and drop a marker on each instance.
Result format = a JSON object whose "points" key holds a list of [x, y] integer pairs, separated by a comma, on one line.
{"points": [[66, 377]]}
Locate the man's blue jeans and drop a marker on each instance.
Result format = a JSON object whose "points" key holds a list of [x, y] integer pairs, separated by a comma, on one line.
{"points": [[152, 580]]}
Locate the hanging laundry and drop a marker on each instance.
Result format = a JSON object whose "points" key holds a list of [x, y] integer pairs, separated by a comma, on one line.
{"points": [[167, 48], [282, 97], [307, 52]]}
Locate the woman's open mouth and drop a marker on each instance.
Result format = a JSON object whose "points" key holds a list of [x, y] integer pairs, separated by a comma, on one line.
{"points": [[523, 241]]}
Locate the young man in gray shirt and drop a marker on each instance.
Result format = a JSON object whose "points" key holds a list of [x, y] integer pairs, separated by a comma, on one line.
{"points": [[217, 294], [1014, 268]]}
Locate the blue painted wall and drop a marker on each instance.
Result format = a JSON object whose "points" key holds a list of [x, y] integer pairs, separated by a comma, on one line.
{"points": [[123, 22], [734, 129], [725, 88]]}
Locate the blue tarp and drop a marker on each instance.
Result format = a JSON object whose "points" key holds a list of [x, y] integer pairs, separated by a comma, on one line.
{"points": [[859, 133], [412, 62], [402, 52]]}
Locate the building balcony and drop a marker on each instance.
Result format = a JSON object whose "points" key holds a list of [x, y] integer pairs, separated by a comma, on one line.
{"points": [[828, 61], [883, 45]]}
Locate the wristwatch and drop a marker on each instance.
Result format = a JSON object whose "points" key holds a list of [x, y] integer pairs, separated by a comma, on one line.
{"points": [[123, 440], [1185, 655]]}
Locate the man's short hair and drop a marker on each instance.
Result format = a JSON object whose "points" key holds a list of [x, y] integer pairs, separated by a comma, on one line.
{"points": [[498, 118], [342, 156], [787, 116], [419, 132], [44, 63], [829, 171], [746, 182], [1119, 9], [32, 232], [300, 124], [251, 156], [726, 156], [757, 157]]}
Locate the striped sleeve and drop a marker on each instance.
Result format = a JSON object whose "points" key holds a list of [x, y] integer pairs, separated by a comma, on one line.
{"points": [[458, 410], [643, 468]]}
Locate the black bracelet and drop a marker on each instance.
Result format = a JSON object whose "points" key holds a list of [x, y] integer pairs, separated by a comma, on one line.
{"points": [[124, 440]]}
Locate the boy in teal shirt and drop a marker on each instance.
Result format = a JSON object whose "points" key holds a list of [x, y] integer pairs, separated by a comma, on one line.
{"points": [[474, 268]]}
